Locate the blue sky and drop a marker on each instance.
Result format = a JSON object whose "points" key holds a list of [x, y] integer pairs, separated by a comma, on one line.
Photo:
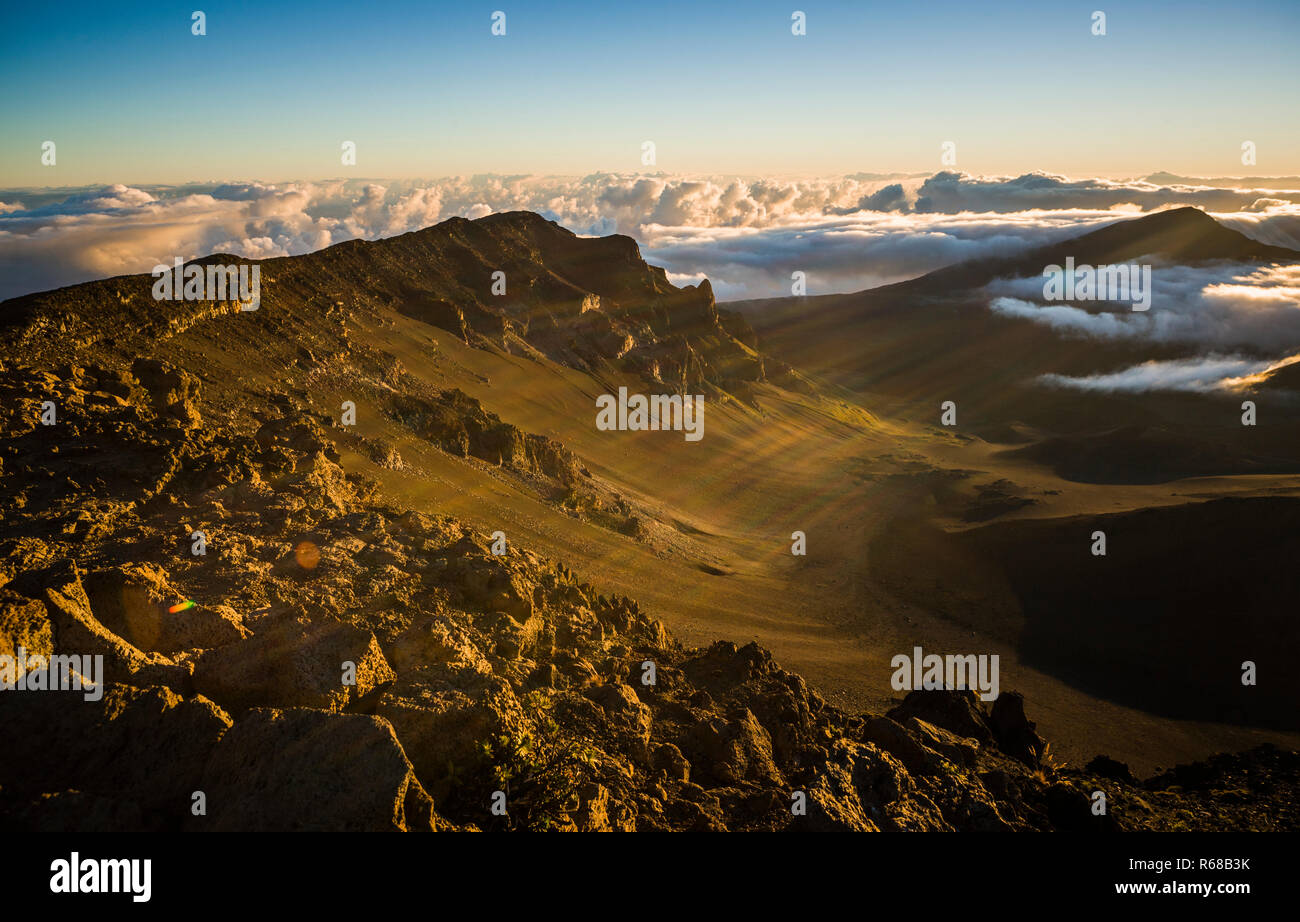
{"points": [[424, 89]]}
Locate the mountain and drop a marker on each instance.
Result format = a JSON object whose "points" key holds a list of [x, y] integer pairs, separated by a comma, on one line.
{"points": [[918, 343], [360, 559], [512, 279], [1178, 236]]}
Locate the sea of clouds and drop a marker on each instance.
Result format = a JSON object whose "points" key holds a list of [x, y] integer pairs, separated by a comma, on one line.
{"points": [[747, 236]]}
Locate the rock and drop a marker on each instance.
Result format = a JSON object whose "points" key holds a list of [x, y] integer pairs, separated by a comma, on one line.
{"points": [[431, 640], [725, 665], [1015, 733], [24, 623], [1107, 767], [172, 391], [135, 602], [599, 812], [955, 710], [833, 803], [302, 769], [733, 749], [147, 746], [490, 585], [624, 709], [892, 737], [955, 749], [443, 717], [323, 485], [77, 631], [293, 663], [668, 759]]}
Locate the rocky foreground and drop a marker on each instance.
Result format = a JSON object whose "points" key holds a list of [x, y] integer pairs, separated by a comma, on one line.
{"points": [[352, 666]]}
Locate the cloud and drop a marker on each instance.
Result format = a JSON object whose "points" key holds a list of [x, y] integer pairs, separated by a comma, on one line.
{"points": [[951, 193], [745, 234], [1197, 375], [1224, 306], [848, 253]]}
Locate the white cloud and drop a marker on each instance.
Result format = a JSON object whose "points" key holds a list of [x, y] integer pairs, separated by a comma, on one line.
{"points": [[1198, 375], [745, 235], [1224, 306]]}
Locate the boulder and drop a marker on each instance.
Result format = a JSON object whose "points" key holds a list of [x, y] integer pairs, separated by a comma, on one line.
{"points": [[172, 391], [144, 745], [623, 709], [443, 719], [955, 710], [1014, 732], [78, 631], [293, 663], [732, 749], [302, 769], [135, 602]]}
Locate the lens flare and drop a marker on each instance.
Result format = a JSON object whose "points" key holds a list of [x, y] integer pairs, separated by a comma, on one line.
{"points": [[307, 555]]}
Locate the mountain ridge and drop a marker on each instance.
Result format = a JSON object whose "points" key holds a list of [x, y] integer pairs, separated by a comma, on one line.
{"points": [[589, 303]]}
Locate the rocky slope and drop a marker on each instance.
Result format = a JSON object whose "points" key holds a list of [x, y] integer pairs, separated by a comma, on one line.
{"points": [[514, 280], [470, 672]]}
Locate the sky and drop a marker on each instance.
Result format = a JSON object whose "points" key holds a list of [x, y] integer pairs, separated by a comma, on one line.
{"points": [[130, 96]]}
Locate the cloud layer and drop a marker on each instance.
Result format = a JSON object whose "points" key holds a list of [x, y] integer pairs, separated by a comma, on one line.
{"points": [[746, 235], [1242, 320]]}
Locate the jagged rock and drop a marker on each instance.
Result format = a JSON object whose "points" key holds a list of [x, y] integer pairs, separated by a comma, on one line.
{"points": [[725, 665], [303, 769], [443, 717], [599, 812], [323, 485], [895, 739], [135, 602], [957, 711], [490, 585], [1013, 731], [172, 391], [956, 749], [430, 641], [77, 631], [623, 708], [300, 435], [147, 746], [23, 623], [293, 663], [734, 748], [833, 801], [1107, 767], [668, 759]]}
